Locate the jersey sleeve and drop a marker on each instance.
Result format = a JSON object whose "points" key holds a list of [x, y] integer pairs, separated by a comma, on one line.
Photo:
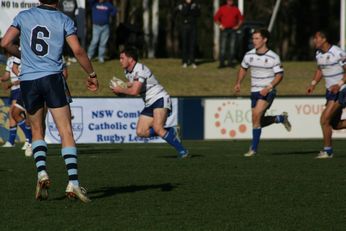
{"points": [[17, 21], [277, 67], [8, 65], [342, 59], [16, 61], [244, 64], [143, 74], [70, 28]]}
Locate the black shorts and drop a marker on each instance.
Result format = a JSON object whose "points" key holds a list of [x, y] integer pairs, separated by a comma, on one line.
{"points": [[50, 90]]}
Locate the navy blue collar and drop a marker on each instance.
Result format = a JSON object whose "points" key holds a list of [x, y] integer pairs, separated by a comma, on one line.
{"points": [[46, 7]]}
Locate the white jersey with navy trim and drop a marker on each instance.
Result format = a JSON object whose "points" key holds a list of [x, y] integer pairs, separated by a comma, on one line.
{"points": [[264, 67], [13, 76], [151, 89], [331, 64], [42, 33]]}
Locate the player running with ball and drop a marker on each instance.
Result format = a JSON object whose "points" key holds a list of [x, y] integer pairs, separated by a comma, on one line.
{"points": [[158, 106]]}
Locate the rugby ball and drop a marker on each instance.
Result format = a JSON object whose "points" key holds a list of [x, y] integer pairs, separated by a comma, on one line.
{"points": [[115, 82]]}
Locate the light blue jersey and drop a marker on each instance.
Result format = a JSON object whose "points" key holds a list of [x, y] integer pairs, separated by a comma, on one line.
{"points": [[42, 33]]}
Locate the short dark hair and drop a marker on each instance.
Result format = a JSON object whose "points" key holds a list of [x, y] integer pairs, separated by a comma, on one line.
{"points": [[131, 51], [49, 2], [263, 32], [324, 34]]}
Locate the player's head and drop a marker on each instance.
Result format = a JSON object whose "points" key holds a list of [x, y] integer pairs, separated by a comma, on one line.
{"points": [[260, 38], [229, 2], [128, 57], [49, 2], [321, 38]]}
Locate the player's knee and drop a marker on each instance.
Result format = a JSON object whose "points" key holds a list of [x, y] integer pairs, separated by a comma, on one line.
{"points": [[159, 130], [141, 132]]}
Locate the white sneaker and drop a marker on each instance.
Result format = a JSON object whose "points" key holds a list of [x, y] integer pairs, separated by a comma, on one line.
{"points": [[184, 65], [72, 59], [73, 191], [42, 186], [26, 144], [194, 66], [28, 150], [8, 145], [250, 153], [324, 155], [286, 123]]}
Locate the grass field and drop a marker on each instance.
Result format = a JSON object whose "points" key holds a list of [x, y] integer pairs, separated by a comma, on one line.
{"points": [[206, 80], [144, 187]]}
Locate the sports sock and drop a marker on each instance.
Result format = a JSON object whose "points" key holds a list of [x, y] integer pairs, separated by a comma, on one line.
{"points": [[70, 157], [170, 137], [256, 134], [39, 148], [27, 130], [328, 150], [13, 134], [279, 119], [152, 132]]}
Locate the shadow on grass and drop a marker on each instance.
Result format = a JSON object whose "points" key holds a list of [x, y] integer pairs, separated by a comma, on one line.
{"points": [[308, 152], [112, 191], [176, 157], [99, 151]]}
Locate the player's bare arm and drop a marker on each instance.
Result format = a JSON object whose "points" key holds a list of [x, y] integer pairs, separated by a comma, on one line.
{"points": [[316, 79], [7, 41], [82, 57], [132, 89], [278, 78], [241, 75]]}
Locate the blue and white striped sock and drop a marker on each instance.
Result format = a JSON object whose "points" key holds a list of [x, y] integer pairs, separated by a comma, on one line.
{"points": [[39, 148], [70, 157]]}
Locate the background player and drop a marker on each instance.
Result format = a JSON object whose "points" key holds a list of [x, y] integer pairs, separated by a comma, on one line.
{"points": [[16, 116], [331, 65], [157, 101], [42, 32], [266, 74]]}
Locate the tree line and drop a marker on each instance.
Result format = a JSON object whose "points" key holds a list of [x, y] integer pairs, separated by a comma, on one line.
{"points": [[152, 26]]}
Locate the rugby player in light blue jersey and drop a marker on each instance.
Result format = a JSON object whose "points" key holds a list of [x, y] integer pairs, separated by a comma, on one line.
{"points": [[266, 74], [42, 31], [331, 65]]}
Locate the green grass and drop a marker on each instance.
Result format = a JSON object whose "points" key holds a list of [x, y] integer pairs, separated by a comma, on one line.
{"points": [[206, 80], [144, 187]]}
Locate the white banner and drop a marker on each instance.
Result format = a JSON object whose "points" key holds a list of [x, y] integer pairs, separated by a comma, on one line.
{"points": [[231, 119], [10, 8], [106, 120]]}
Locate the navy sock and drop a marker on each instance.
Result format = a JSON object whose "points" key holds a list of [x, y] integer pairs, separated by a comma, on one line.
{"points": [[26, 130], [13, 134], [279, 119], [171, 138], [152, 132], [328, 150], [256, 134]]}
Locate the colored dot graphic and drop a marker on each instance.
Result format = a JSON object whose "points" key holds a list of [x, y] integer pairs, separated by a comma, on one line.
{"points": [[231, 132]]}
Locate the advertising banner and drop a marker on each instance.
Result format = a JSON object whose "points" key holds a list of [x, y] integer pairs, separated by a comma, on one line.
{"points": [[106, 120], [10, 8], [231, 119]]}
